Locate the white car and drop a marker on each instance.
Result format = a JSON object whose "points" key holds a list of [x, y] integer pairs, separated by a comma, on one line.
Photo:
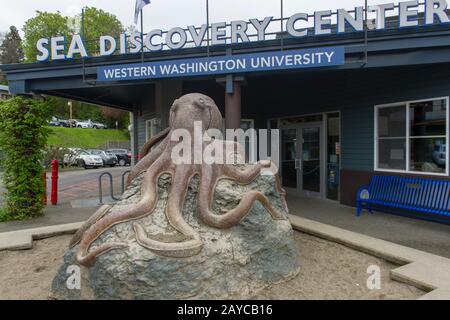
{"points": [[84, 124], [70, 158], [86, 160], [98, 125]]}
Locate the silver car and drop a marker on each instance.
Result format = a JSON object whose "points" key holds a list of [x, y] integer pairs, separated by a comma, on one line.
{"points": [[86, 160], [108, 158]]}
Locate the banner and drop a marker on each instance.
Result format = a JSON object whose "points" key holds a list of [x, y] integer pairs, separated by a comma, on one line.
{"points": [[245, 63]]}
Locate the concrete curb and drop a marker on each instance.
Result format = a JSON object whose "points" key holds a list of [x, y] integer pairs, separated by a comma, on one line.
{"points": [[23, 239], [423, 270]]}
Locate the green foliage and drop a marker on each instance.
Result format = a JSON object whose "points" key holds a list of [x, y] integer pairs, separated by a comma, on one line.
{"points": [[81, 111], [84, 138], [43, 25], [85, 111], [23, 137], [3, 215], [97, 23], [11, 47]]}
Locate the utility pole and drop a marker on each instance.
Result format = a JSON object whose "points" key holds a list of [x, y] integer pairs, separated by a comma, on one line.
{"points": [[142, 35], [70, 109]]}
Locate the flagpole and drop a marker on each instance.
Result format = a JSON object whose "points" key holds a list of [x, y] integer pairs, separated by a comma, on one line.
{"points": [[142, 35], [207, 28]]}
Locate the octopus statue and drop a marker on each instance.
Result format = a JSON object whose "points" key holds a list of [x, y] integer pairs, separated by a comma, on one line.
{"points": [[157, 160]]}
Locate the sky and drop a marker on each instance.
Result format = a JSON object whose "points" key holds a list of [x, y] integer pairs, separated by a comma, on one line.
{"points": [[165, 14]]}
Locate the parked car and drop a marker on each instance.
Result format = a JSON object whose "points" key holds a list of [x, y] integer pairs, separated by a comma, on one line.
{"points": [[58, 122], [86, 160], [123, 155], [70, 158], [54, 122], [72, 123], [109, 159], [439, 155], [98, 125], [64, 123], [84, 124]]}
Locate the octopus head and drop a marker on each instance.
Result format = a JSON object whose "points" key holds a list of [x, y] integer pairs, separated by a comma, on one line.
{"points": [[192, 108]]}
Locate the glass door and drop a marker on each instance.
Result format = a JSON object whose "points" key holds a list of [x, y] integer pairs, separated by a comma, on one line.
{"points": [[289, 152], [310, 164], [302, 159]]}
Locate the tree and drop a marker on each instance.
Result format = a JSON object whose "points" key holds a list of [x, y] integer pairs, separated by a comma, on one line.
{"points": [[96, 23], [43, 25], [2, 37], [111, 116], [23, 136], [11, 47]]}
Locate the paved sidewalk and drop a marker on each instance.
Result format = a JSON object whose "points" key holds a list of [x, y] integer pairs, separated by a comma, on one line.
{"points": [[422, 235], [54, 215]]}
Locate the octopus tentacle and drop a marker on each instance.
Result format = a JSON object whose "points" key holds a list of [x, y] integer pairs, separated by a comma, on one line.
{"points": [[149, 157], [174, 216], [234, 216], [243, 176], [100, 213], [247, 176], [154, 140], [143, 208]]}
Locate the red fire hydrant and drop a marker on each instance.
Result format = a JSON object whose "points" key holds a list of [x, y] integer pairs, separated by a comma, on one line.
{"points": [[54, 195], [44, 180]]}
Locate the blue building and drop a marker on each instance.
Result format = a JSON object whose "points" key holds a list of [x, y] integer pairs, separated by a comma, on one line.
{"points": [[382, 109]]}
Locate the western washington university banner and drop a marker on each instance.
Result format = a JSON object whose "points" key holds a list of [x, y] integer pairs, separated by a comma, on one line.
{"points": [[245, 63]]}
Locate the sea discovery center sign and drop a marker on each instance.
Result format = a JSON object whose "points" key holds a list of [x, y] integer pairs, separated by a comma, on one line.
{"points": [[278, 60], [298, 25]]}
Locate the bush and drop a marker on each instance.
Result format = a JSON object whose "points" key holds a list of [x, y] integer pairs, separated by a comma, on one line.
{"points": [[56, 153], [3, 215], [23, 136]]}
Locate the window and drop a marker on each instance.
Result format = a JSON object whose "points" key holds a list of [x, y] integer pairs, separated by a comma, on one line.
{"points": [[152, 128], [412, 137]]}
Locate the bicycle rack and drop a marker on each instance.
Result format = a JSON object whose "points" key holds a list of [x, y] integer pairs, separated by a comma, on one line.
{"points": [[111, 185], [123, 180]]}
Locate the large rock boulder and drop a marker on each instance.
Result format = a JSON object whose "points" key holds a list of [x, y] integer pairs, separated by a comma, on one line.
{"points": [[235, 263]]}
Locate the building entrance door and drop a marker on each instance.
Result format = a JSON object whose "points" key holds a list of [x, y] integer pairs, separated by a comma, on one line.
{"points": [[302, 155]]}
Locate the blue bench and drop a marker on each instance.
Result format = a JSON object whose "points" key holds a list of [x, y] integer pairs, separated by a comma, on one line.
{"points": [[385, 193]]}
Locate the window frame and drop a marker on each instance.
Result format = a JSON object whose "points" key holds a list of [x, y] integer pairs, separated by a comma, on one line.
{"points": [[408, 137]]}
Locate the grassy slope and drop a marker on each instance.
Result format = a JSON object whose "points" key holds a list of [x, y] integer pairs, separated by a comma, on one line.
{"points": [[84, 138]]}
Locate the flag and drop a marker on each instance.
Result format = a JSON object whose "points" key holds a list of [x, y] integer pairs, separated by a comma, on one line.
{"points": [[140, 4]]}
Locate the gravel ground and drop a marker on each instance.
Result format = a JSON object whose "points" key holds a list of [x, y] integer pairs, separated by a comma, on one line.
{"points": [[328, 271]]}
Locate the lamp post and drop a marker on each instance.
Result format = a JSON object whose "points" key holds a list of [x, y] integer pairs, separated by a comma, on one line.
{"points": [[69, 103]]}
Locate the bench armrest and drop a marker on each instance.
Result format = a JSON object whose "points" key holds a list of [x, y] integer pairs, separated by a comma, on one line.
{"points": [[363, 193]]}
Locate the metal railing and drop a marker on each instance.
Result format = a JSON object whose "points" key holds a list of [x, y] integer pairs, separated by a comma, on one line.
{"points": [[111, 186]]}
